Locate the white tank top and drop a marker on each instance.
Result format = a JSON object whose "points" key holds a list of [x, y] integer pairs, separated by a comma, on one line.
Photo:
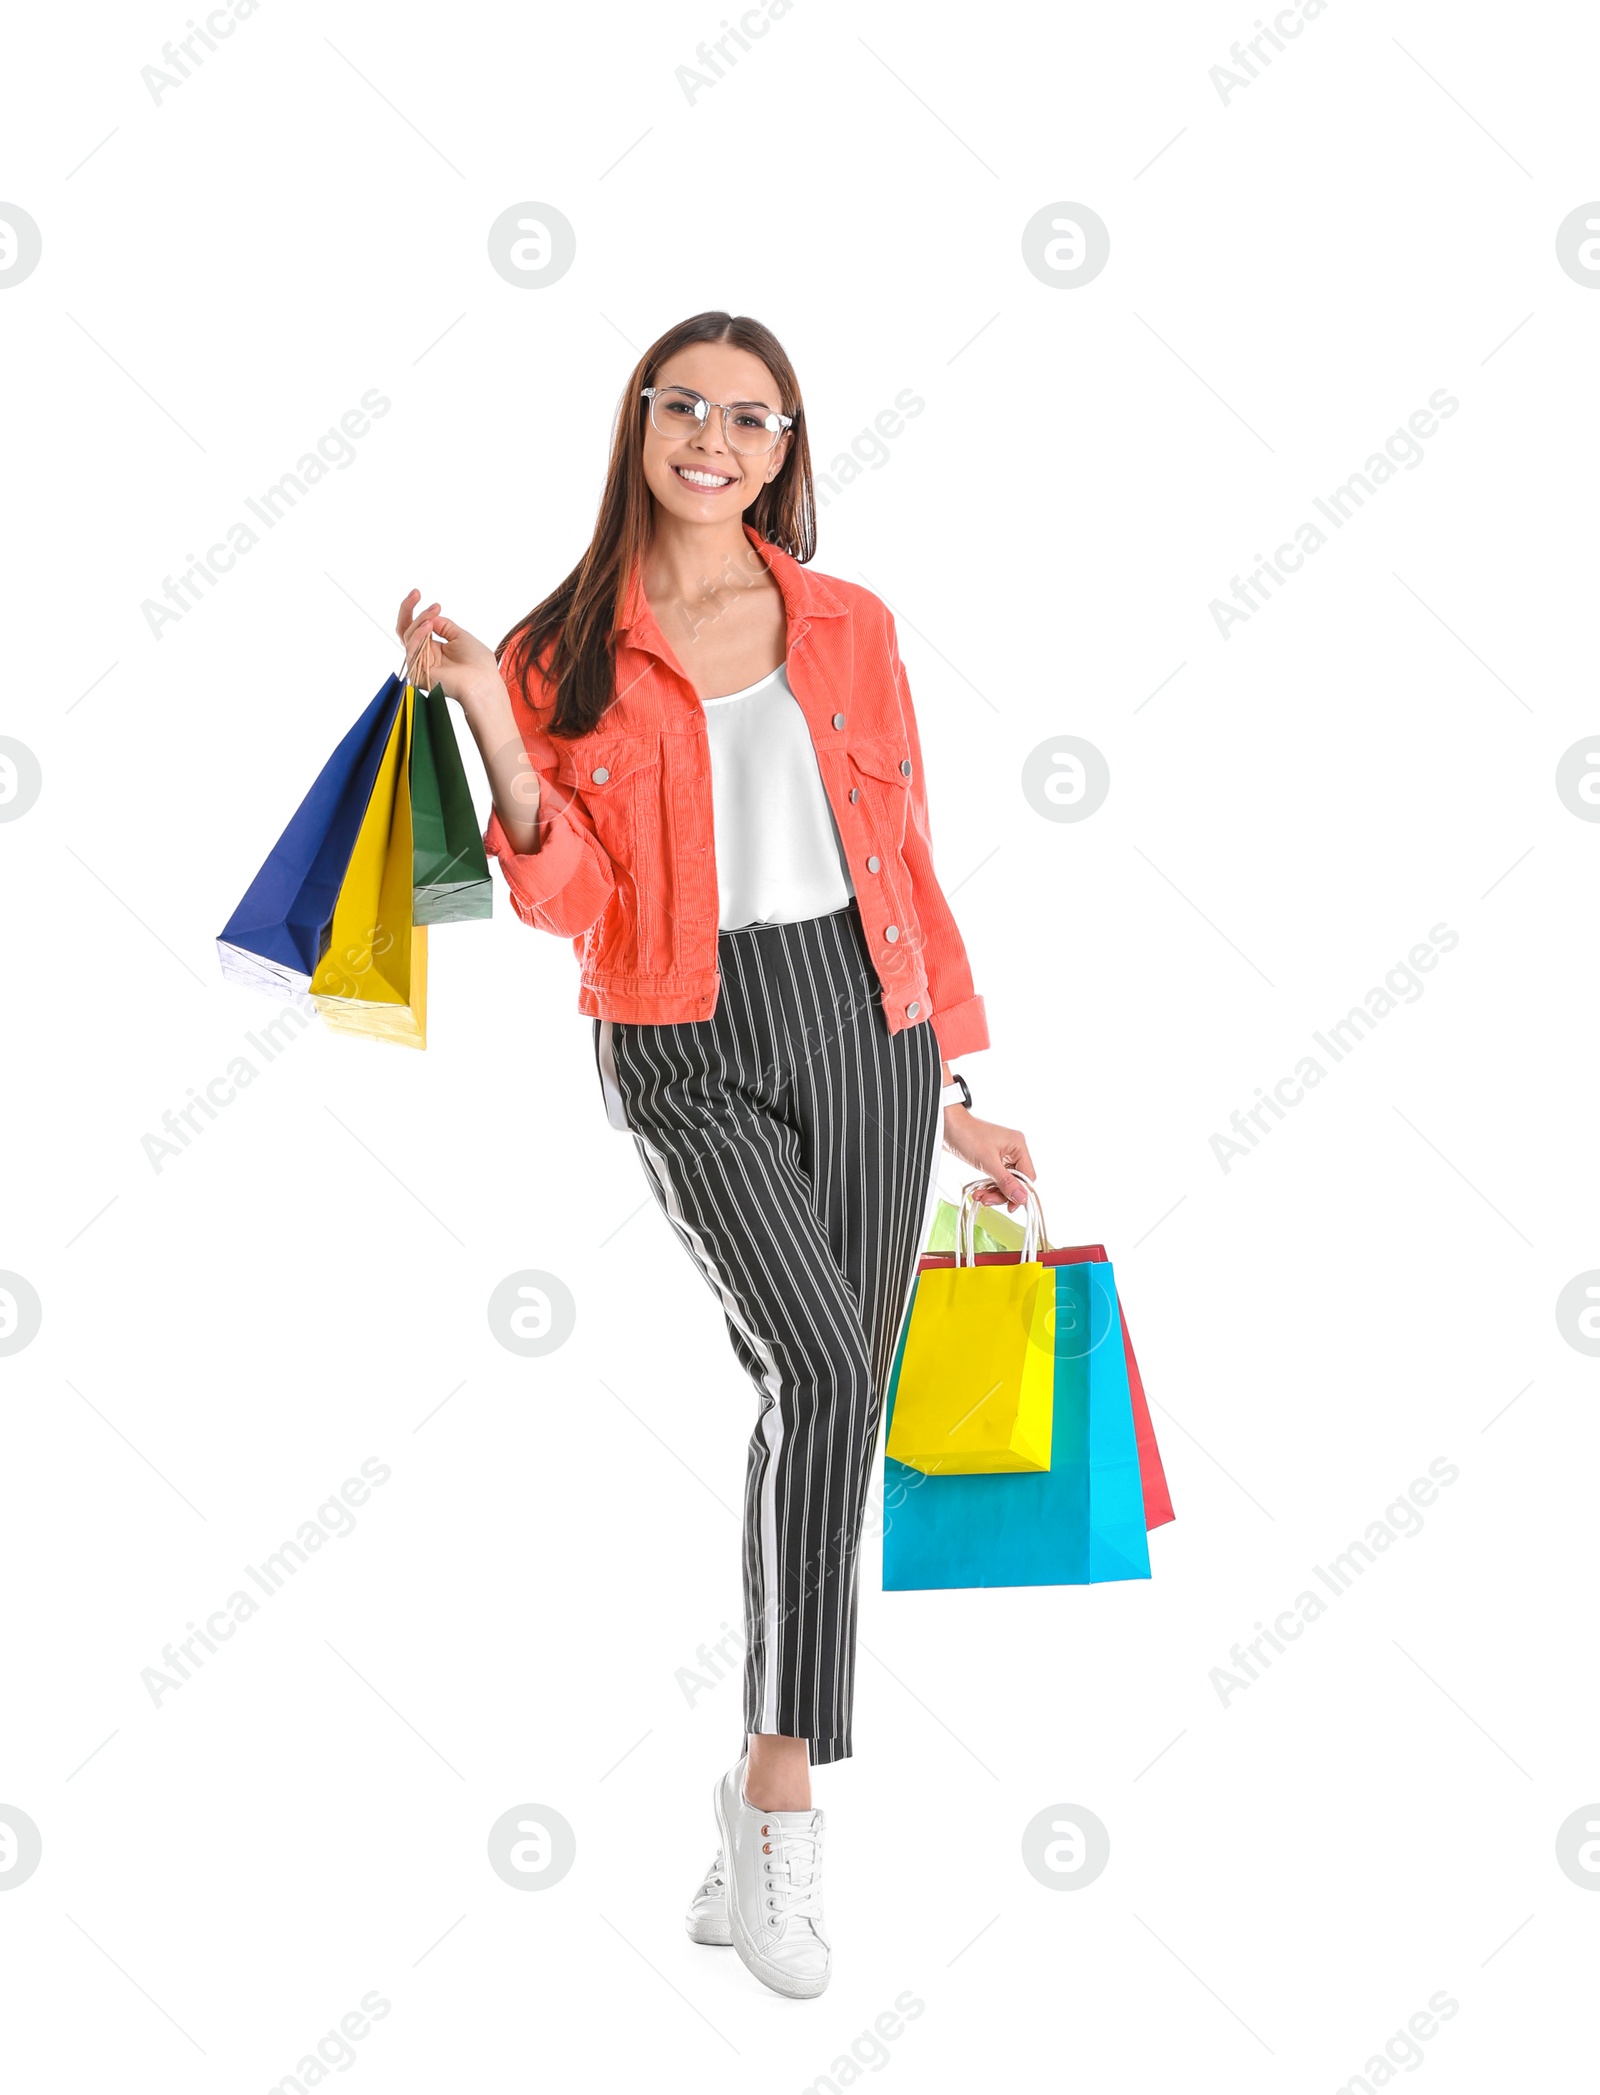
{"points": [[780, 857], [779, 854]]}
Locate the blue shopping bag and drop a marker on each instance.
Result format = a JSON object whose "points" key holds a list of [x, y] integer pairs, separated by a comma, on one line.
{"points": [[277, 935], [1081, 1522]]}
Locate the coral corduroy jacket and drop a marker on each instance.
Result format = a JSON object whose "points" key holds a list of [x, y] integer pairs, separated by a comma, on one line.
{"points": [[625, 864]]}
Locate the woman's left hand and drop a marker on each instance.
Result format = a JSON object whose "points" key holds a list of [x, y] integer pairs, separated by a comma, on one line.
{"points": [[991, 1149]]}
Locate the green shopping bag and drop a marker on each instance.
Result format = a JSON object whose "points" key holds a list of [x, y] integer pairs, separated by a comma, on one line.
{"points": [[451, 870], [992, 1228]]}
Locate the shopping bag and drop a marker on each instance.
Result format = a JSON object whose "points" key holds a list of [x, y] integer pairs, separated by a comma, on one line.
{"points": [[1152, 1475], [1081, 1522], [279, 932], [976, 1378], [450, 877], [373, 979], [939, 1254], [974, 1385]]}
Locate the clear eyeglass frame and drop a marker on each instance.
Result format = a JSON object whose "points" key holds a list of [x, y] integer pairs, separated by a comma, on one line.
{"points": [[769, 432]]}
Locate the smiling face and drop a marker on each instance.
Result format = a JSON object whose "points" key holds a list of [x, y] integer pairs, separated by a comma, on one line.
{"points": [[694, 473]]}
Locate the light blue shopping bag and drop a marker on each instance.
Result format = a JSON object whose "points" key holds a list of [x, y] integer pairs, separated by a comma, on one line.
{"points": [[1081, 1522]]}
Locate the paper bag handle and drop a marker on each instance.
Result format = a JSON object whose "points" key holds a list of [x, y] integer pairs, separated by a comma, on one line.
{"points": [[421, 685], [1035, 1236]]}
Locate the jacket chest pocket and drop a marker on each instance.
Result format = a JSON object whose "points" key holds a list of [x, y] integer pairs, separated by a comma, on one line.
{"points": [[617, 778], [880, 776]]}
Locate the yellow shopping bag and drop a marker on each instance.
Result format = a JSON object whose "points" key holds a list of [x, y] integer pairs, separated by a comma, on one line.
{"points": [[373, 979], [976, 1393]]}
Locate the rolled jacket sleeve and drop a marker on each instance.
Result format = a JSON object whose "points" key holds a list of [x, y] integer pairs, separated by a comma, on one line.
{"points": [[959, 1020], [960, 1029], [565, 882]]}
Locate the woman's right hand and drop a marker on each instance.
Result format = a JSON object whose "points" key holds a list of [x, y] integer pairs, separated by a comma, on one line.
{"points": [[439, 652], [445, 654]]}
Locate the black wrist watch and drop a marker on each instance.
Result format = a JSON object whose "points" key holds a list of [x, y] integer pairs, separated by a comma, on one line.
{"points": [[955, 1093]]}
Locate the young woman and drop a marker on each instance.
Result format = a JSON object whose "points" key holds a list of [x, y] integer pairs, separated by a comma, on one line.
{"points": [[706, 772]]}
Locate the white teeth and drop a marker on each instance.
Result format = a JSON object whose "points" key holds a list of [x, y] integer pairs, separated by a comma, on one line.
{"points": [[703, 479]]}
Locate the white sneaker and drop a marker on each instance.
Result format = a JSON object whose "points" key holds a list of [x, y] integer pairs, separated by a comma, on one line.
{"points": [[707, 1918], [773, 1874]]}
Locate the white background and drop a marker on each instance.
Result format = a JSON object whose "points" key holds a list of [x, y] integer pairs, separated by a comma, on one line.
{"points": [[1291, 274]]}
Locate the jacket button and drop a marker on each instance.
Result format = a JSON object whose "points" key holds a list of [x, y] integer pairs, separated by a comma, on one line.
{"points": [[838, 720], [600, 776], [891, 932], [905, 766], [873, 864], [912, 1010], [855, 792]]}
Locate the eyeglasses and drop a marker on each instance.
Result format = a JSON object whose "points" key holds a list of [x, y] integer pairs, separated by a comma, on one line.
{"points": [[749, 426]]}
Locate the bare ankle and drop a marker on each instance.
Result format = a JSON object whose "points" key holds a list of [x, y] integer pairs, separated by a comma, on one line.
{"points": [[778, 1773], [777, 1797]]}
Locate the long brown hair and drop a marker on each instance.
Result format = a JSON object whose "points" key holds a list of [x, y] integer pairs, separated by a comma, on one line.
{"points": [[578, 620]]}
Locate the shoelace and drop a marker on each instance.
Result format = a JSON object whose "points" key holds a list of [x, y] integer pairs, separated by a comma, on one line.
{"points": [[715, 1880], [792, 1873]]}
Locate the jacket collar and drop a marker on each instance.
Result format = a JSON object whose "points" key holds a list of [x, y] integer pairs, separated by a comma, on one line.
{"points": [[805, 596]]}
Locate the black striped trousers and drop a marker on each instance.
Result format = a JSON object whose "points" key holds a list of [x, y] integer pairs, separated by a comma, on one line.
{"points": [[790, 1140]]}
